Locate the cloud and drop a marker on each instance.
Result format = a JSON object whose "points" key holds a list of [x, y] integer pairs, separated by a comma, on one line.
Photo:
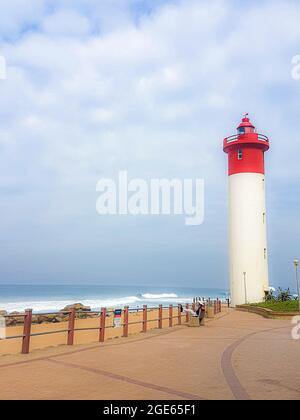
{"points": [[66, 23], [152, 87], [18, 16]]}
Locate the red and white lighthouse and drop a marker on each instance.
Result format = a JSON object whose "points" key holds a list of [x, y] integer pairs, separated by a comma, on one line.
{"points": [[247, 214]]}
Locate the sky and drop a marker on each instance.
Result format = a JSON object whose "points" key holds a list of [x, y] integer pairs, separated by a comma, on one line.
{"points": [[150, 87]]}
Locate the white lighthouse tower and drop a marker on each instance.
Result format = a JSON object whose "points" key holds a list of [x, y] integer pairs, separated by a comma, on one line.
{"points": [[248, 252]]}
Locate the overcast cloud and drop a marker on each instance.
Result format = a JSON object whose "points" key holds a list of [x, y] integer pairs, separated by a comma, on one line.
{"points": [[151, 87]]}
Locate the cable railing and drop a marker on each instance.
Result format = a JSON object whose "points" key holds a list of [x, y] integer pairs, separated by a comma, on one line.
{"points": [[263, 137], [176, 315], [236, 137]]}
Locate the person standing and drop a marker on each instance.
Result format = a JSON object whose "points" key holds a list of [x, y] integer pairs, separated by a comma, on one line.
{"points": [[201, 313]]}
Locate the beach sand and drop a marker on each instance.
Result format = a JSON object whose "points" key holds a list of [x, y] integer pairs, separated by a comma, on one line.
{"points": [[13, 346]]}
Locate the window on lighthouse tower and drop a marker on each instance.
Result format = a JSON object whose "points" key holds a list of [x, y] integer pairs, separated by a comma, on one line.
{"points": [[240, 154]]}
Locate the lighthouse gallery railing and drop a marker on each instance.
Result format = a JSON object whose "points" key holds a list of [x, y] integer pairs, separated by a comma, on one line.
{"points": [[236, 137]]}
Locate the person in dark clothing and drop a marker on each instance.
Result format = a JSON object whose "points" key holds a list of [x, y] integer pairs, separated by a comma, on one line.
{"points": [[201, 313]]}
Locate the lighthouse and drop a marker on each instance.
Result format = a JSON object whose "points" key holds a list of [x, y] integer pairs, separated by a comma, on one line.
{"points": [[248, 253]]}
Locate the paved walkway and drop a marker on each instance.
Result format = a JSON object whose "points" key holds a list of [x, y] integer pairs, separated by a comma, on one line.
{"points": [[237, 356]]}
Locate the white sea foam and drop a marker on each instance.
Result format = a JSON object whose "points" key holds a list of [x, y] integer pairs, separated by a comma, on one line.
{"points": [[94, 304], [44, 306], [159, 296]]}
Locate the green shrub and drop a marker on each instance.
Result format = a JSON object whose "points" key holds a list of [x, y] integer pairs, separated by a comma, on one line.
{"points": [[284, 295], [270, 296]]}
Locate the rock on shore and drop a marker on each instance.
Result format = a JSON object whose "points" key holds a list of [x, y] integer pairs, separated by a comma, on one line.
{"points": [[78, 307], [16, 318]]}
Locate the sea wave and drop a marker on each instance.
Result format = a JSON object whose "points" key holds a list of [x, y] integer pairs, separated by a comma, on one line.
{"points": [[53, 306], [42, 306], [159, 296]]}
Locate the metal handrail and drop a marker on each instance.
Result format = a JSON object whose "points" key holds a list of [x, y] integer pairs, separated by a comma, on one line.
{"points": [[263, 137], [99, 313], [132, 310], [232, 138], [236, 137]]}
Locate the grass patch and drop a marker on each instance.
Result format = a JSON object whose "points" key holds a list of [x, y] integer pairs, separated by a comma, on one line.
{"points": [[289, 306]]}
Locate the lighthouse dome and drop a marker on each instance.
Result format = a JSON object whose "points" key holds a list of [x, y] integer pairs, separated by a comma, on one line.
{"points": [[246, 126]]}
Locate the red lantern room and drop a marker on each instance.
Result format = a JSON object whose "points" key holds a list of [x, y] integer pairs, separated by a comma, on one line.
{"points": [[246, 149]]}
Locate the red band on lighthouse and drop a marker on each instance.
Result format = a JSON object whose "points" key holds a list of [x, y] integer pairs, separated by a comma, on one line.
{"points": [[246, 150]]}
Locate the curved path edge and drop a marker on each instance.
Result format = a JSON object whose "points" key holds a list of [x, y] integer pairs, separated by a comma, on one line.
{"points": [[237, 389]]}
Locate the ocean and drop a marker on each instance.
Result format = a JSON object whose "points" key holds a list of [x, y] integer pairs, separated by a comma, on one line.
{"points": [[51, 298]]}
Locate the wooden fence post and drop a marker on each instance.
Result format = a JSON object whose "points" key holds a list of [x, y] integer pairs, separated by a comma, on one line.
{"points": [[179, 314], [145, 314], [125, 325], [102, 325], [160, 313], [71, 327], [171, 316], [26, 331], [187, 316]]}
